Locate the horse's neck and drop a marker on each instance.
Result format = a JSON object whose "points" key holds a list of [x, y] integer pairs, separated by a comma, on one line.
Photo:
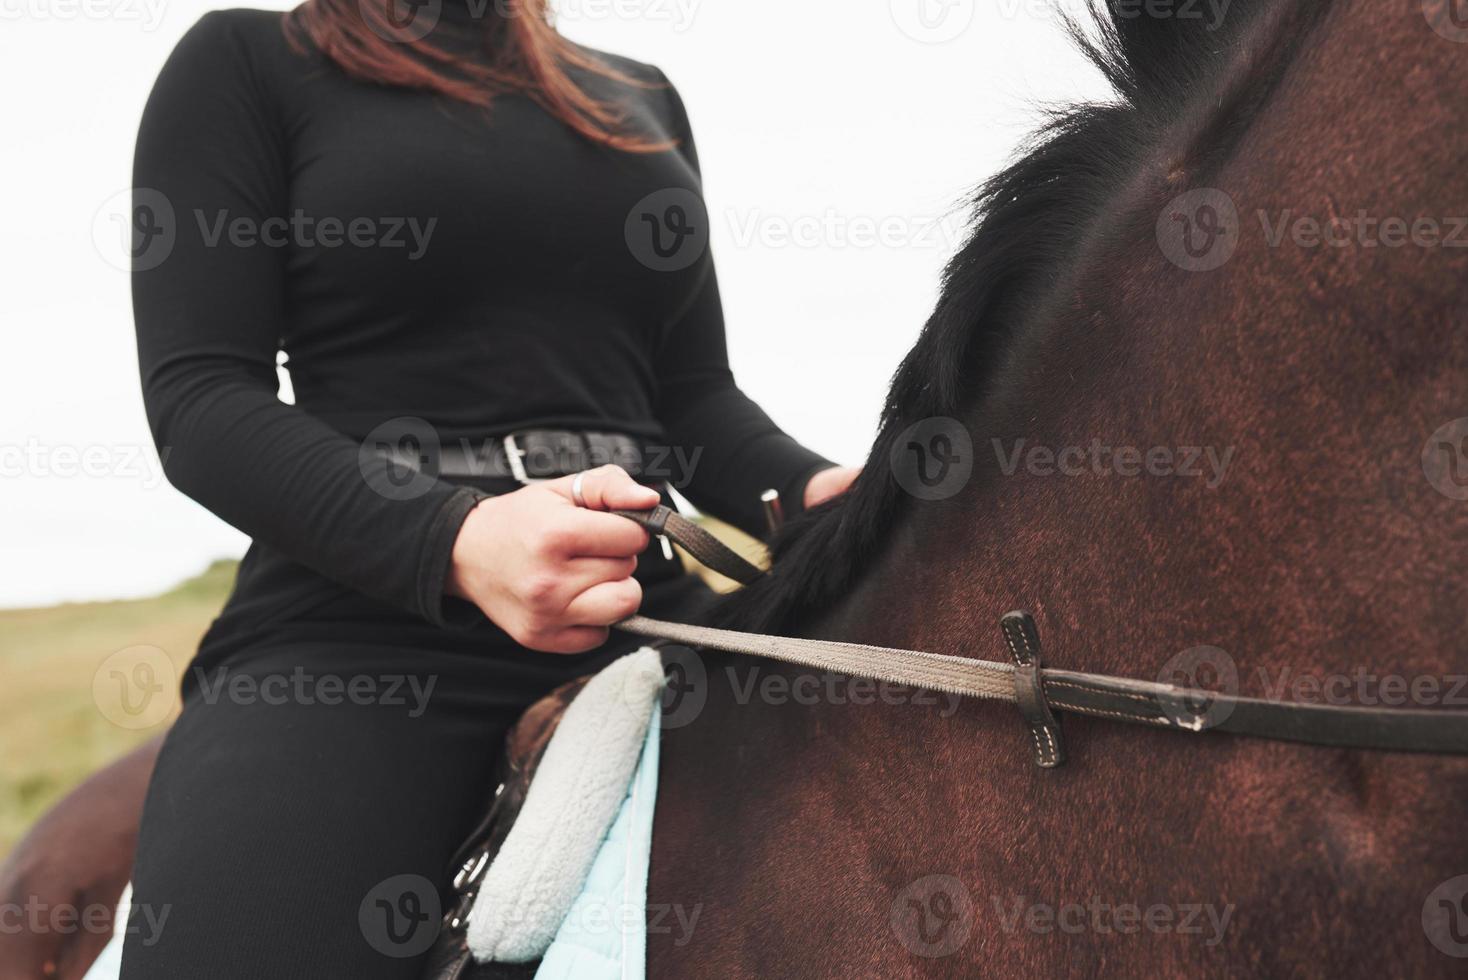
{"points": [[1231, 458]]}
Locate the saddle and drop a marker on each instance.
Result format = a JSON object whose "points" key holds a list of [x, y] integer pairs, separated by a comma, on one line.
{"points": [[519, 759], [568, 826]]}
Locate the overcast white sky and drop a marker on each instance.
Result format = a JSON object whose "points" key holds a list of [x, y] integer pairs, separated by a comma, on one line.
{"points": [[837, 139]]}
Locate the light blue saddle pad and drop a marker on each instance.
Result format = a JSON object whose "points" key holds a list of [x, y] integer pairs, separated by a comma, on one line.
{"points": [[604, 936]]}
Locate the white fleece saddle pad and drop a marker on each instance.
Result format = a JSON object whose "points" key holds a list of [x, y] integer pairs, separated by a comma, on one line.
{"points": [[579, 788]]}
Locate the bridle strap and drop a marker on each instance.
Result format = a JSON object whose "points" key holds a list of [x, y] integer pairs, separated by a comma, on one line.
{"points": [[706, 549], [931, 671], [1346, 726], [1098, 695], [1038, 690]]}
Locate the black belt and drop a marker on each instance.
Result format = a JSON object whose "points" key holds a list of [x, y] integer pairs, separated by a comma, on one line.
{"points": [[523, 457]]}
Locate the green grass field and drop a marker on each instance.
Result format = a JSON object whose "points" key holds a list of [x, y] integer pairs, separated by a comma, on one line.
{"points": [[52, 731]]}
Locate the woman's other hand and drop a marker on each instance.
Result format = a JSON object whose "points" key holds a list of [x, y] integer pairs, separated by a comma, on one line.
{"points": [[549, 573], [829, 483]]}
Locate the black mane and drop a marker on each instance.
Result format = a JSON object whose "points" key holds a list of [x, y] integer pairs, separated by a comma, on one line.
{"points": [[1028, 219]]}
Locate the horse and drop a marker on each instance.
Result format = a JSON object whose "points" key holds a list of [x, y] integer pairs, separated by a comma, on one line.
{"points": [[1232, 261], [60, 886], [1167, 404]]}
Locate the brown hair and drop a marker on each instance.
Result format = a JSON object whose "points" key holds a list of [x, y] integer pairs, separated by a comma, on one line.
{"points": [[527, 55]]}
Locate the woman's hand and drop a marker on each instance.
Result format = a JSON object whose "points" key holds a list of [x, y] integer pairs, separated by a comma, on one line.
{"points": [[829, 483], [553, 575]]}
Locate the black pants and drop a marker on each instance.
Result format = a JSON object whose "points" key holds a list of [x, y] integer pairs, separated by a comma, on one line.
{"points": [[326, 765]]}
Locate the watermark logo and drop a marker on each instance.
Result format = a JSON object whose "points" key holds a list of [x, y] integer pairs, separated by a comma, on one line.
{"points": [[400, 917], [401, 21], [932, 21], [1445, 460], [687, 687], [399, 458], [136, 687], [135, 229], [1199, 230], [1199, 671], [933, 916], [933, 459], [668, 230], [640, 684], [1448, 17], [1445, 917]]}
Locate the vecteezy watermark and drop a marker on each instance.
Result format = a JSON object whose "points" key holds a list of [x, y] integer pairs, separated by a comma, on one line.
{"points": [[148, 13], [599, 918], [932, 21], [1362, 230], [656, 918], [1195, 676], [686, 690], [1203, 672], [1204, 919], [933, 916], [834, 230], [1214, 11], [1199, 230], [38, 460], [406, 21], [401, 21], [1448, 17], [304, 231], [300, 687], [136, 230], [1211, 11], [1445, 459], [933, 459], [832, 688], [1445, 917], [400, 917], [1188, 462], [36, 917], [136, 687], [668, 230], [679, 14], [1365, 688], [399, 458]]}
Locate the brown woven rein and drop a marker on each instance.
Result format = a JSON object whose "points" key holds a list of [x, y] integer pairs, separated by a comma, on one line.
{"points": [[1040, 691]]}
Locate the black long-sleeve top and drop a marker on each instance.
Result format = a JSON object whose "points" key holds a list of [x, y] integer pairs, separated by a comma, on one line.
{"points": [[426, 258]]}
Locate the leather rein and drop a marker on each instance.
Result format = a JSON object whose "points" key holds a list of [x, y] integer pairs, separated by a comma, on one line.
{"points": [[1039, 691]]}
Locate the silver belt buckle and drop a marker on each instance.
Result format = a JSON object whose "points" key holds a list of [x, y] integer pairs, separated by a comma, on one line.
{"points": [[515, 457]]}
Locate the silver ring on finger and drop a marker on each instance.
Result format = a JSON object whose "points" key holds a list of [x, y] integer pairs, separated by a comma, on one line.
{"points": [[576, 494]]}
